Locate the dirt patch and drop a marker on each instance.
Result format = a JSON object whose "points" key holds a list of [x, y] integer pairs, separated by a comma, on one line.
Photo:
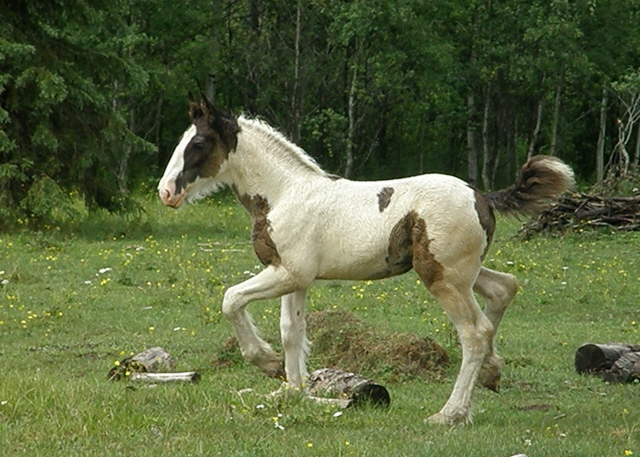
{"points": [[342, 341]]}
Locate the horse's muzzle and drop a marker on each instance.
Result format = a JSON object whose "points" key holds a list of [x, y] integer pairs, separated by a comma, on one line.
{"points": [[170, 199]]}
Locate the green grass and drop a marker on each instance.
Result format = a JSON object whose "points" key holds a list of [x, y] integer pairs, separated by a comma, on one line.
{"points": [[65, 319]]}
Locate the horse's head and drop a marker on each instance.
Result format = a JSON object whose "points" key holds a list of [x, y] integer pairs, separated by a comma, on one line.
{"points": [[201, 153]]}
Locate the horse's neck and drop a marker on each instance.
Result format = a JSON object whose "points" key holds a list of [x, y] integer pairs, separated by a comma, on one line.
{"points": [[266, 164]]}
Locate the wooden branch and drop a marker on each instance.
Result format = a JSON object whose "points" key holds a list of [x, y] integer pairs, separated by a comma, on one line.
{"points": [[188, 376]]}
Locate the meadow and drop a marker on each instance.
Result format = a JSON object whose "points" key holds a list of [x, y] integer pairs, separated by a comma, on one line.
{"points": [[77, 299]]}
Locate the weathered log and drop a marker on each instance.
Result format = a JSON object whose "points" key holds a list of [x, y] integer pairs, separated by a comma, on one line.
{"points": [[625, 369], [351, 389], [596, 358], [152, 360], [188, 376]]}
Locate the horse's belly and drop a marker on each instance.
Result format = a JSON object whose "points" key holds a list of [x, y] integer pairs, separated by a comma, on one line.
{"points": [[367, 259]]}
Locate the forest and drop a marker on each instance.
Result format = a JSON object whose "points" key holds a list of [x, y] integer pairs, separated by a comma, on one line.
{"points": [[93, 94]]}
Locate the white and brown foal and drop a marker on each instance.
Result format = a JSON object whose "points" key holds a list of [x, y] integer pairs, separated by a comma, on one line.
{"points": [[308, 225]]}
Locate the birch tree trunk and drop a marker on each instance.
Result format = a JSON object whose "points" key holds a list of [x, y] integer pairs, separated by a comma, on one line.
{"points": [[486, 154], [214, 35], [536, 130], [556, 118], [472, 148], [533, 138], [472, 123], [296, 98], [636, 151], [351, 109], [601, 136]]}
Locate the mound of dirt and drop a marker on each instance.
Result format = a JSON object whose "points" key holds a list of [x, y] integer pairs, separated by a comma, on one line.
{"points": [[342, 341]]}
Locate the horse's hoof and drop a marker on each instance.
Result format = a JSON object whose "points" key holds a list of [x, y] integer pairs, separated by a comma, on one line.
{"points": [[441, 418], [490, 379], [274, 369], [451, 417], [437, 419]]}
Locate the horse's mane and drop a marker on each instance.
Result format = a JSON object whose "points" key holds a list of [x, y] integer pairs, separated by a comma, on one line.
{"points": [[280, 144]]}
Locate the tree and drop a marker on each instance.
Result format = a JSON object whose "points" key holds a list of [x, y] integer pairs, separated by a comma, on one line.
{"points": [[59, 108]]}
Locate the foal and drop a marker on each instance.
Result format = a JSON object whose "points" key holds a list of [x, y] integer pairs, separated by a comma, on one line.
{"points": [[310, 225]]}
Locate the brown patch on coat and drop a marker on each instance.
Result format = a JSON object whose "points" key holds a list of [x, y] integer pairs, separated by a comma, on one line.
{"points": [[486, 217], [400, 258], [409, 248], [384, 197], [263, 245], [424, 262]]}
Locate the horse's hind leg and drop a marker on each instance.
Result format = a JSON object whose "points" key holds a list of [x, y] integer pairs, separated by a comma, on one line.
{"points": [[498, 290], [294, 337], [475, 332], [452, 284], [269, 283]]}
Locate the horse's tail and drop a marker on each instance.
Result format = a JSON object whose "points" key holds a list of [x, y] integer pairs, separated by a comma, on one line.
{"points": [[540, 182]]}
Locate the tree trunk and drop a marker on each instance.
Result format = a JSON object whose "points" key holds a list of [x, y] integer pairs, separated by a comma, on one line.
{"points": [[472, 125], [296, 99], [511, 153], [601, 136], [556, 118], [536, 130], [636, 152], [486, 154], [254, 15], [622, 148], [214, 35], [351, 109], [472, 149]]}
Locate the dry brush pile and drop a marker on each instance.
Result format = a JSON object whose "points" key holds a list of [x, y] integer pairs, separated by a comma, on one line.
{"points": [[581, 211]]}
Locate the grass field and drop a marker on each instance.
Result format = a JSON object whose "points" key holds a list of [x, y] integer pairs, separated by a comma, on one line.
{"points": [[75, 300]]}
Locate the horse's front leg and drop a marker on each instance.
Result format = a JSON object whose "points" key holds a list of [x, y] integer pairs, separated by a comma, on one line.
{"points": [[294, 337], [272, 282]]}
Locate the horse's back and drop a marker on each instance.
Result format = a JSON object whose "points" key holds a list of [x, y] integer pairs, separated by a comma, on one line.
{"points": [[353, 228]]}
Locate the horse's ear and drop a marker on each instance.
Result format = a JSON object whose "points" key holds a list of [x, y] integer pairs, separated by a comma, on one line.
{"points": [[226, 125], [195, 109], [206, 103]]}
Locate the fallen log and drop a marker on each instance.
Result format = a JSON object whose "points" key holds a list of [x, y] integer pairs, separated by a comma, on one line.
{"points": [[597, 358], [625, 369], [151, 360], [351, 389]]}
